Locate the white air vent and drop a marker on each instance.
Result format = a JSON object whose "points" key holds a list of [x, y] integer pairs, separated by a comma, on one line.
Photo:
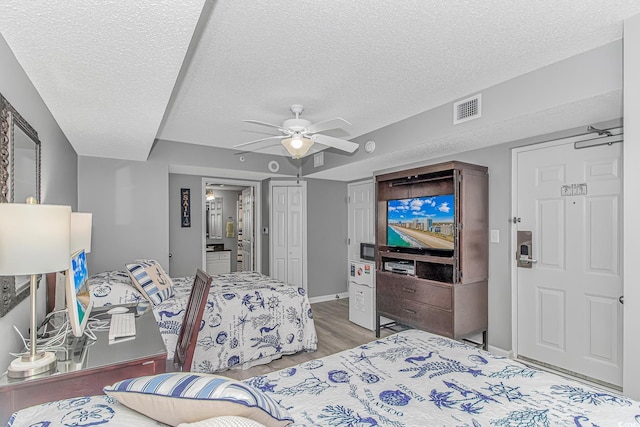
{"points": [[318, 159], [467, 109]]}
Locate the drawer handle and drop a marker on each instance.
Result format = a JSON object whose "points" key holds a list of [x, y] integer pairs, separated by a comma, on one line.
{"points": [[409, 290], [409, 311]]}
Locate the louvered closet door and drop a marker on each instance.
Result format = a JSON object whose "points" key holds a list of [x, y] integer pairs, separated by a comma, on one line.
{"points": [[569, 313]]}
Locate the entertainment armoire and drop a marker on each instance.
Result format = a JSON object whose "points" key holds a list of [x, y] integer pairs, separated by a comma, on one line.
{"points": [[446, 295]]}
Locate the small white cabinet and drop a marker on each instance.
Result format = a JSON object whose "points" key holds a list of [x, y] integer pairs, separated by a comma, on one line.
{"points": [[218, 262]]}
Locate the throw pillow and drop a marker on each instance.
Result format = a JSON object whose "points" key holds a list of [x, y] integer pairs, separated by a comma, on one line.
{"points": [[151, 280], [186, 397]]}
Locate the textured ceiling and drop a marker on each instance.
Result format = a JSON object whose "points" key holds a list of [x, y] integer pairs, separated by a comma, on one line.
{"points": [[107, 69]]}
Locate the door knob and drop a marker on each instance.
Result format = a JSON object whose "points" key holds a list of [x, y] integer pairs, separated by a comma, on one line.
{"points": [[621, 299]]}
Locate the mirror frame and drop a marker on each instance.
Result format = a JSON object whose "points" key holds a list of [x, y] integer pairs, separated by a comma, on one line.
{"points": [[9, 118]]}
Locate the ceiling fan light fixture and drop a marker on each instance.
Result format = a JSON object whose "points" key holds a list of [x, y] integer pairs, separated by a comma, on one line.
{"points": [[297, 145]]}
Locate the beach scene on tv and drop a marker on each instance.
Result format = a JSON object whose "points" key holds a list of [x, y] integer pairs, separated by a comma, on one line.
{"points": [[421, 222]]}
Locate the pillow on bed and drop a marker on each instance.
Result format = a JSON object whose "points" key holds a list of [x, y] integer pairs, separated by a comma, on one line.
{"points": [[151, 280], [185, 397], [226, 421], [103, 294]]}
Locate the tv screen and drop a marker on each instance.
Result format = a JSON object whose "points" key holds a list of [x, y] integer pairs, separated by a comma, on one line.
{"points": [[425, 223], [77, 291]]}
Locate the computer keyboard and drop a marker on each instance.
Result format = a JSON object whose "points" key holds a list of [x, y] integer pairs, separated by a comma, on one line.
{"points": [[122, 325]]}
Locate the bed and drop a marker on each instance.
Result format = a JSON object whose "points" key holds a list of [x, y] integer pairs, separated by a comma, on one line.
{"points": [[412, 378], [249, 319]]}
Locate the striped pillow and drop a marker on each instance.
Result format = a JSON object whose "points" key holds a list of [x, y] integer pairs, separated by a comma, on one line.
{"points": [[151, 280], [186, 397]]}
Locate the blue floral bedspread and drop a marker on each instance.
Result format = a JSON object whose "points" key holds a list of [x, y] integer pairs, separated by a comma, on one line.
{"points": [[249, 318], [414, 378]]}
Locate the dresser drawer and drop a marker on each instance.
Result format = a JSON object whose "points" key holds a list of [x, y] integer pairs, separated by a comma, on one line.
{"points": [[409, 287], [415, 314]]}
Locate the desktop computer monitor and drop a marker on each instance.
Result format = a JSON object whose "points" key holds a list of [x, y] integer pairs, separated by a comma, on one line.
{"points": [[77, 291]]}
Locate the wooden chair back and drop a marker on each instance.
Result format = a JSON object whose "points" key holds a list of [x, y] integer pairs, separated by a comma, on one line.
{"points": [[189, 329]]}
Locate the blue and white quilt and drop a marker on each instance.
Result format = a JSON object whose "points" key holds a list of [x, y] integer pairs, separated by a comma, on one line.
{"points": [[249, 318], [415, 378], [412, 378]]}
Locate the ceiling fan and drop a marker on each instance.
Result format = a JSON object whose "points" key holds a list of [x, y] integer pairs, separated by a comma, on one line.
{"points": [[298, 135]]}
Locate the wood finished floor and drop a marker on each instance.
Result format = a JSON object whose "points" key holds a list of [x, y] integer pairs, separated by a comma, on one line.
{"points": [[335, 334]]}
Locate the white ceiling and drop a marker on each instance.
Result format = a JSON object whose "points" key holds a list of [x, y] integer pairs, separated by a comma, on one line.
{"points": [[117, 75]]}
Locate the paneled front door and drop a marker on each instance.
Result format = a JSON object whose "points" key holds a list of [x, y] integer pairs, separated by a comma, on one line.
{"points": [[569, 293]]}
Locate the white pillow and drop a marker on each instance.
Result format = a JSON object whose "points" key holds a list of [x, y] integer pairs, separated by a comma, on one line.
{"points": [[113, 288], [225, 421], [186, 397]]}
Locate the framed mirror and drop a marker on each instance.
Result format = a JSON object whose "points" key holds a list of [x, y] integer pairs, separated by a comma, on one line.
{"points": [[20, 164]]}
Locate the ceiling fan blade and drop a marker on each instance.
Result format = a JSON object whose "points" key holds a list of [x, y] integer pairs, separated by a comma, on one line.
{"points": [[338, 143], [327, 125], [259, 140], [258, 122]]}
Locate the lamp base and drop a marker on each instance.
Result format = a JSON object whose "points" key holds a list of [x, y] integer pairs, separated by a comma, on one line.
{"points": [[26, 366]]}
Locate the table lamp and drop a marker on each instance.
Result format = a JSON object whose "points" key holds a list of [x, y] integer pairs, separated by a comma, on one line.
{"points": [[34, 239]]}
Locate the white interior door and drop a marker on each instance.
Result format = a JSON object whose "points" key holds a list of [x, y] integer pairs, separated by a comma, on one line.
{"points": [[568, 309], [288, 222], [361, 227], [247, 229]]}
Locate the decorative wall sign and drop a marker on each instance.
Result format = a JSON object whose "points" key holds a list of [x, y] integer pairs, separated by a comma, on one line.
{"points": [[185, 206]]}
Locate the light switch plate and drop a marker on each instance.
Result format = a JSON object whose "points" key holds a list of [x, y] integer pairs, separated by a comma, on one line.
{"points": [[495, 236]]}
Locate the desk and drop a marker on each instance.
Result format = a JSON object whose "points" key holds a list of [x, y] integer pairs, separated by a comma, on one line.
{"points": [[85, 370]]}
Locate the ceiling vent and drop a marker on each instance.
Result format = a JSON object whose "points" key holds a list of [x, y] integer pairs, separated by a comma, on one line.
{"points": [[467, 109], [318, 159]]}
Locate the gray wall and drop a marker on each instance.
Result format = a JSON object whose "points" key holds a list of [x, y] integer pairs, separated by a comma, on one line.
{"points": [[185, 244], [266, 207], [326, 237], [130, 205], [59, 177], [218, 158]]}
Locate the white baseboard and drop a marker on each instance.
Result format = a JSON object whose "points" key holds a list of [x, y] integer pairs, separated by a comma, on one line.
{"points": [[324, 298], [500, 352]]}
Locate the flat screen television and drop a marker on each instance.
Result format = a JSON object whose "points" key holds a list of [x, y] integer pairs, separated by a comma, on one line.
{"points": [[77, 292], [422, 224]]}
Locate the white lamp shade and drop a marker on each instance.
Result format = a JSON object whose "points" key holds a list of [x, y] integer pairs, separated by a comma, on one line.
{"points": [[297, 146], [34, 239], [80, 232]]}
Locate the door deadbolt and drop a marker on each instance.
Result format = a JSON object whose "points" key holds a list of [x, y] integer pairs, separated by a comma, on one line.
{"points": [[524, 254]]}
